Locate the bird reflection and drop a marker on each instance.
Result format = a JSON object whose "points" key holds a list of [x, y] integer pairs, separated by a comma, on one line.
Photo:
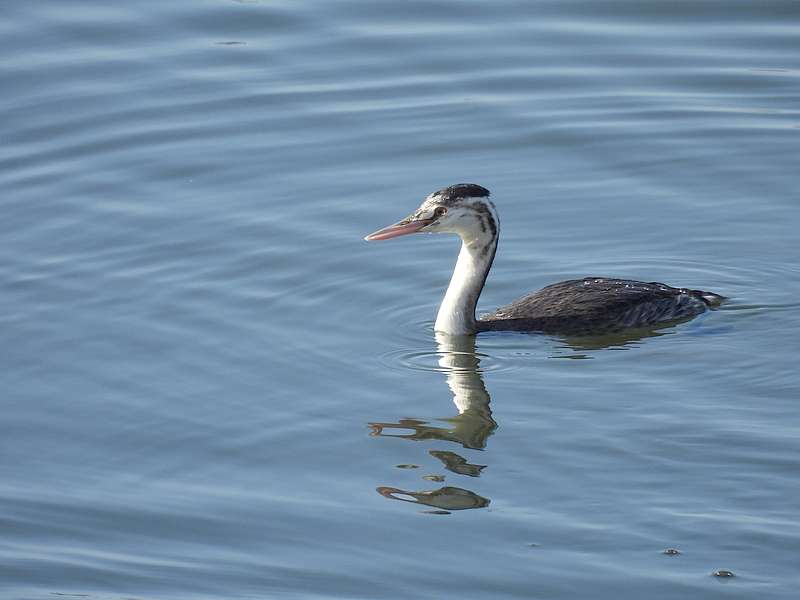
{"points": [[470, 428], [457, 464], [447, 498], [624, 339], [473, 425]]}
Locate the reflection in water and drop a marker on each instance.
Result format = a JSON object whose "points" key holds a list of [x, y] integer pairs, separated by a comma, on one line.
{"points": [[473, 424], [626, 338], [447, 498], [457, 464], [471, 427]]}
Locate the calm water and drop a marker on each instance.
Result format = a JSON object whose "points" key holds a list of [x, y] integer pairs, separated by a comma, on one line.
{"points": [[213, 388]]}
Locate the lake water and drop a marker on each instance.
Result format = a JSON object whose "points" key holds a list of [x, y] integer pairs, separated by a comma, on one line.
{"points": [[212, 387]]}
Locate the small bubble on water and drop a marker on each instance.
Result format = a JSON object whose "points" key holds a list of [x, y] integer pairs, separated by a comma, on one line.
{"points": [[433, 477], [723, 573], [671, 551], [407, 466]]}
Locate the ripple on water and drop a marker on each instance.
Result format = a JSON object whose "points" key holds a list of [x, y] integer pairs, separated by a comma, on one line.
{"points": [[425, 359], [193, 320]]}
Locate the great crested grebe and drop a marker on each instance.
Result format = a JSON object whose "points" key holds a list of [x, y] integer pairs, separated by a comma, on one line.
{"points": [[578, 306]]}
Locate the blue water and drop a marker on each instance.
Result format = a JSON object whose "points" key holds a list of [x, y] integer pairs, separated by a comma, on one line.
{"points": [[212, 387]]}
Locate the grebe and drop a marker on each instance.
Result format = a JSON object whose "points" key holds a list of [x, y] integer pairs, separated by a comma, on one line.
{"points": [[578, 306]]}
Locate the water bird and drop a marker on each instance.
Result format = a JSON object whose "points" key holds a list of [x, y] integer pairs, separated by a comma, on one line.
{"points": [[587, 306]]}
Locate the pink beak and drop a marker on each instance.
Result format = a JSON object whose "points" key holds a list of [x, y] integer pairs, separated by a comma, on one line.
{"points": [[402, 228]]}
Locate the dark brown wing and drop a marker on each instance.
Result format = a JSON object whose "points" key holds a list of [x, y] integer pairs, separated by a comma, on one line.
{"points": [[596, 304]]}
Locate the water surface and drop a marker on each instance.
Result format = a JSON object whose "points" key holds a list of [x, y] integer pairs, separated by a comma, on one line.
{"points": [[213, 388]]}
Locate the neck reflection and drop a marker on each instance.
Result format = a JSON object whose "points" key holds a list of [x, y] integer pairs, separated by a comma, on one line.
{"points": [[470, 428]]}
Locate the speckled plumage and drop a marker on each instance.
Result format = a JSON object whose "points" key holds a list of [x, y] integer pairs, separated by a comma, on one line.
{"points": [[597, 305]]}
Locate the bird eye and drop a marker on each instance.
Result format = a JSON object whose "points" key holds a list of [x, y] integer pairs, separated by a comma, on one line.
{"points": [[440, 211]]}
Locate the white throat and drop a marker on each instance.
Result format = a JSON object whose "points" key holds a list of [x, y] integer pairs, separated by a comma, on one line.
{"points": [[457, 312]]}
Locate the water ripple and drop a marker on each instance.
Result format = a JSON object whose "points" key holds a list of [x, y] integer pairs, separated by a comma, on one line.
{"points": [[195, 333], [422, 359]]}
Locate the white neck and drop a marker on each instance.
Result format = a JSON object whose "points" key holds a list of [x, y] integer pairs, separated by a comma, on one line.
{"points": [[457, 312]]}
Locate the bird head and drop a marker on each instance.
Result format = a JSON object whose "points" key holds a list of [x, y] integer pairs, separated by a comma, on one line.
{"points": [[463, 209]]}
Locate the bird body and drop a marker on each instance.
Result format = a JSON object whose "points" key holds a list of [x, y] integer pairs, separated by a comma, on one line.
{"points": [[577, 306], [596, 305]]}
